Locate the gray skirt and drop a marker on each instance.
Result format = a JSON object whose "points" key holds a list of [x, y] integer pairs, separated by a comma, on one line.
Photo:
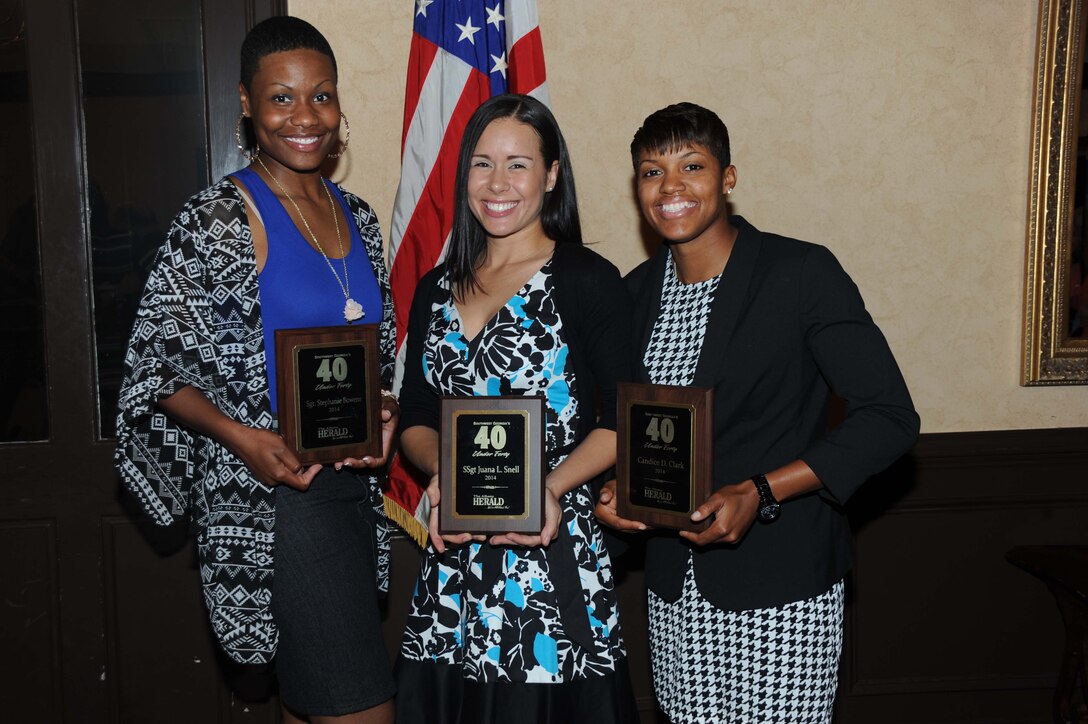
{"points": [[331, 659]]}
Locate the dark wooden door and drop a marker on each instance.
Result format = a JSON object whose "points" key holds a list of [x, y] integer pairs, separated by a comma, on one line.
{"points": [[104, 128]]}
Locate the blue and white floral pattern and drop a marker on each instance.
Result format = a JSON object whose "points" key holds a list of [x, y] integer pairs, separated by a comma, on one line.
{"points": [[509, 628]]}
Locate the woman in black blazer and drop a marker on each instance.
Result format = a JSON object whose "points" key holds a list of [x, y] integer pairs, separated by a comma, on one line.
{"points": [[746, 616]]}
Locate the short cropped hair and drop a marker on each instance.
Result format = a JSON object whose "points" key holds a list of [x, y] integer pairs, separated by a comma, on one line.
{"points": [[679, 126], [277, 35]]}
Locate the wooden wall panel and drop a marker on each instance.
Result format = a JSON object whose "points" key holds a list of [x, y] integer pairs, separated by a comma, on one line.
{"points": [[161, 658], [937, 607], [940, 628], [29, 622], [164, 665]]}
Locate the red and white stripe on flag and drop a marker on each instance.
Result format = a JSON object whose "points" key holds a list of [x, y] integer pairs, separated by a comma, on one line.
{"points": [[463, 52]]}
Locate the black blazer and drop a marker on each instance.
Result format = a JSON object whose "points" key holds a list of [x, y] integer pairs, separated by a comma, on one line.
{"points": [[787, 325]]}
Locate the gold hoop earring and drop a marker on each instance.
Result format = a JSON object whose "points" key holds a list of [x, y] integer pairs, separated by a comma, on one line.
{"points": [[249, 154], [347, 137]]}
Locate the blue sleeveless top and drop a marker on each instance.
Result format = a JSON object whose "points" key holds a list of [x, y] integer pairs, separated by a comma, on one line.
{"points": [[297, 289]]}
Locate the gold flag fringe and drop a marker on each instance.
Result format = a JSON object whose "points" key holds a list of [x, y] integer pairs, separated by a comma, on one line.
{"points": [[406, 521]]}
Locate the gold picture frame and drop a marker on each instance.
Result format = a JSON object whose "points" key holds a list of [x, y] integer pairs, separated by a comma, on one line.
{"points": [[1050, 355]]}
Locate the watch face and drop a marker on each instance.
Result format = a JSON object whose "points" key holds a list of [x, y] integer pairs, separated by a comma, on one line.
{"points": [[769, 512]]}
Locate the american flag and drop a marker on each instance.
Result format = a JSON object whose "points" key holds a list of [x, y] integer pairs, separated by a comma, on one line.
{"points": [[463, 52]]}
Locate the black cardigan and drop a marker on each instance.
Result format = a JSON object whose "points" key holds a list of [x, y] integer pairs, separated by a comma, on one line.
{"points": [[787, 323], [593, 303]]}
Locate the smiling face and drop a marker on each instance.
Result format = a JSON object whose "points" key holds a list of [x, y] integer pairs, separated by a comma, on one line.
{"points": [[294, 107], [507, 180], [682, 193]]}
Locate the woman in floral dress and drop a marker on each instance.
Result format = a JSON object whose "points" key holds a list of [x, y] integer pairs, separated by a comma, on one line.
{"points": [[518, 627]]}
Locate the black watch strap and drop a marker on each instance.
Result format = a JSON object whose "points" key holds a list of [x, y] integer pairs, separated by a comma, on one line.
{"points": [[769, 507]]}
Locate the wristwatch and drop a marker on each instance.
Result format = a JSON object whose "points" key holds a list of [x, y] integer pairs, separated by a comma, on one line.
{"points": [[769, 507]]}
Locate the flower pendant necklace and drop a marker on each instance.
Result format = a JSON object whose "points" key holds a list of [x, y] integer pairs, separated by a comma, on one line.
{"points": [[352, 309]]}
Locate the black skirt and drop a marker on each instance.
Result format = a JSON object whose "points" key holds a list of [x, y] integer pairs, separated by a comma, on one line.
{"points": [[432, 693], [331, 659]]}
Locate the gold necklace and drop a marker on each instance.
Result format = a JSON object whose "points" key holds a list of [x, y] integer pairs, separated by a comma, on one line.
{"points": [[352, 309]]}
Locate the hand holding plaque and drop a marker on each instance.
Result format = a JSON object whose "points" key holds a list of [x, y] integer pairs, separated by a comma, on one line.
{"points": [[491, 465], [328, 392], [664, 460]]}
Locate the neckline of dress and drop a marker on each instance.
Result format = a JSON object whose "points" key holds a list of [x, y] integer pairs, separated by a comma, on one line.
{"points": [[491, 320], [689, 287]]}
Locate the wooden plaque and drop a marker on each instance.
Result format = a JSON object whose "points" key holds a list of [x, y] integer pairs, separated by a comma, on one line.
{"points": [[664, 464], [491, 465], [328, 392]]}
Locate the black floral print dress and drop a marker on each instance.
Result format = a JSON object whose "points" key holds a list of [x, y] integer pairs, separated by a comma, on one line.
{"points": [[500, 620]]}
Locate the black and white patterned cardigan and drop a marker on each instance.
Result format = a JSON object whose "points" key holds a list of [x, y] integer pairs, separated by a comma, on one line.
{"points": [[199, 324]]}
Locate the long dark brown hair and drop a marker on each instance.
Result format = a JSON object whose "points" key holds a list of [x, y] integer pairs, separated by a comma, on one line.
{"points": [[559, 214]]}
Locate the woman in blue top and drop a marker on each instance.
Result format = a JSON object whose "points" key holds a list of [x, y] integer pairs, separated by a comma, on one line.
{"points": [[274, 246]]}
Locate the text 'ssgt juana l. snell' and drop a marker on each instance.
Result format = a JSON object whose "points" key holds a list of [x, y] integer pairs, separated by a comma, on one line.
{"points": [[491, 470]]}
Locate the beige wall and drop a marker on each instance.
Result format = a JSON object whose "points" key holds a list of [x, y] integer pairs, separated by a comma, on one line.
{"points": [[895, 133]]}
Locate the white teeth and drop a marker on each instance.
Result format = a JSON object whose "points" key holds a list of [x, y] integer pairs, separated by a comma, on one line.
{"points": [[677, 206], [303, 140], [500, 207]]}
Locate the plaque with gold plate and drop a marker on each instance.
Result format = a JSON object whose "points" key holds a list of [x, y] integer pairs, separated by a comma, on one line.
{"points": [[329, 392], [491, 465], [664, 464]]}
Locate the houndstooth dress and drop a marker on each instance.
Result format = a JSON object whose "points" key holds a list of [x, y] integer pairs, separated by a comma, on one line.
{"points": [[768, 665]]}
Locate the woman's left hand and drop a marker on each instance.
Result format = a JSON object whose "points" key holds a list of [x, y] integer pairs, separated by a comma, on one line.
{"points": [[390, 416], [553, 514], [733, 508]]}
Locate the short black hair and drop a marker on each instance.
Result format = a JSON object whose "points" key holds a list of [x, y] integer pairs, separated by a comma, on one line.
{"points": [[558, 215], [277, 35], [680, 126]]}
